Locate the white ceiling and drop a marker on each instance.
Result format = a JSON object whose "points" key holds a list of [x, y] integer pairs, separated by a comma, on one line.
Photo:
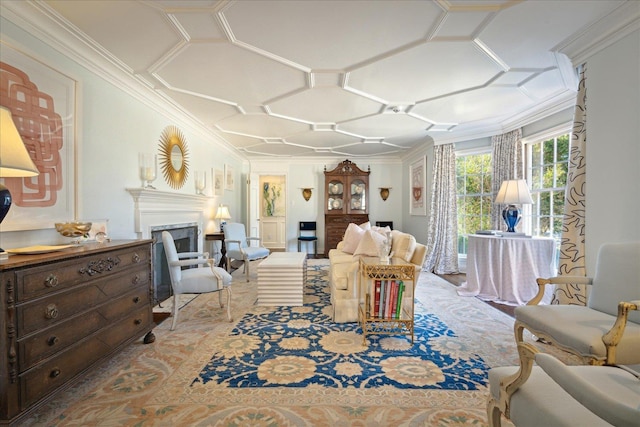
{"points": [[351, 78]]}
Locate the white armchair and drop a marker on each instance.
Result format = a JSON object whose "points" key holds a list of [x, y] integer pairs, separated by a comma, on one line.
{"points": [[239, 247], [607, 329], [554, 394], [194, 280]]}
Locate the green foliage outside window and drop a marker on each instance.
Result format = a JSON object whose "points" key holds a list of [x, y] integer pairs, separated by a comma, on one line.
{"points": [[473, 182]]}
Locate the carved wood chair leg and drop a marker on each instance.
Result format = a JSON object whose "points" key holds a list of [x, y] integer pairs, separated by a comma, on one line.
{"points": [[175, 310], [229, 304], [494, 415]]}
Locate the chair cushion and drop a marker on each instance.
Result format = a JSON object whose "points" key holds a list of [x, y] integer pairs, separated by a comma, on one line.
{"points": [[542, 402], [198, 281], [581, 329], [254, 252]]}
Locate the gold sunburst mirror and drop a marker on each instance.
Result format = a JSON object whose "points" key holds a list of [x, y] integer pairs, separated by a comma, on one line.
{"points": [[174, 157]]}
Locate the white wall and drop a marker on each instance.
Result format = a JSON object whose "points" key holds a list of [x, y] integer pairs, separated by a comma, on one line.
{"points": [[613, 145]]}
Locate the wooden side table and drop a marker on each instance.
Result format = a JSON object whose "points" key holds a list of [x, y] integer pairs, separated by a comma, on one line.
{"points": [[223, 250]]}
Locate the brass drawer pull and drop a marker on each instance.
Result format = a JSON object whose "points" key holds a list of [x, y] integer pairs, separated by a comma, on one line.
{"points": [[136, 258], [51, 312], [138, 321], [55, 373], [136, 279], [136, 300], [52, 340], [51, 281]]}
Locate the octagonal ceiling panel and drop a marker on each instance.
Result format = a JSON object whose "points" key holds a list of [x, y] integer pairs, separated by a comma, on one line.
{"points": [[367, 150], [117, 29], [475, 105], [324, 105], [200, 26], [384, 125], [206, 110], [242, 76], [323, 139], [261, 125], [424, 72], [335, 34]]}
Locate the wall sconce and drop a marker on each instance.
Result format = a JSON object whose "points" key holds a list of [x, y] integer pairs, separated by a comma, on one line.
{"points": [[306, 193], [384, 193]]}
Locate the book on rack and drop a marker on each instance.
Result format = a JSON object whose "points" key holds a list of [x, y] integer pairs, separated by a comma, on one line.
{"points": [[382, 299], [387, 299], [399, 304], [375, 310], [394, 300]]}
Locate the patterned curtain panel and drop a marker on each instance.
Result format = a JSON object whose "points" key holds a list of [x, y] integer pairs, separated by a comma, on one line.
{"points": [[507, 164], [442, 243], [572, 252]]}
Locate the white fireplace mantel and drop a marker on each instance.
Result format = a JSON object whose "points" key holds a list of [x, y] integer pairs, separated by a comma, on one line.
{"points": [[159, 208]]}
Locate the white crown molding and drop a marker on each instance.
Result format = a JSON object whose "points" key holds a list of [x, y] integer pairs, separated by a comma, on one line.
{"points": [[45, 24], [618, 24]]}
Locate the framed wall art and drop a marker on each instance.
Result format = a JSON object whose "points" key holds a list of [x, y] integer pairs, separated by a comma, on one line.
{"points": [[228, 177], [217, 178], [418, 187], [43, 105]]}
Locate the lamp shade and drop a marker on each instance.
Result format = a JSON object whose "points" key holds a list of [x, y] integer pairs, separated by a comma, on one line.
{"points": [[514, 192], [222, 213], [14, 157]]}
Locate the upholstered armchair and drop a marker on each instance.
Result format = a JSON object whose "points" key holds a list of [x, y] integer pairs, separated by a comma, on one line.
{"points": [[194, 280], [607, 329], [239, 247], [554, 394]]}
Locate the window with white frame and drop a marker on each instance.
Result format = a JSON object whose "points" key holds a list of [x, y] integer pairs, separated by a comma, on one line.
{"points": [[547, 163], [474, 198]]}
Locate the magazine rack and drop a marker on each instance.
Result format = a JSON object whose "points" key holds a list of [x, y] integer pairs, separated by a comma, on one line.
{"points": [[385, 309]]}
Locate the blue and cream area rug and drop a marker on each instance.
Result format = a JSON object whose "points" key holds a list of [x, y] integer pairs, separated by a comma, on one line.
{"points": [[275, 366], [301, 346]]}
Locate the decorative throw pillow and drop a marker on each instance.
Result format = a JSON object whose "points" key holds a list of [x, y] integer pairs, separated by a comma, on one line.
{"points": [[365, 225], [403, 245], [371, 244], [352, 237]]}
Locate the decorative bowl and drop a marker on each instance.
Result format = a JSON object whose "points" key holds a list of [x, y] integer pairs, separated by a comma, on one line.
{"points": [[73, 229]]}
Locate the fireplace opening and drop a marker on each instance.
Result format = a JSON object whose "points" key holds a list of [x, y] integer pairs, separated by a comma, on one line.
{"points": [[185, 236]]}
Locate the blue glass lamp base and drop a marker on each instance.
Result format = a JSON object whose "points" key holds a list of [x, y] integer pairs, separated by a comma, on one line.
{"points": [[511, 215]]}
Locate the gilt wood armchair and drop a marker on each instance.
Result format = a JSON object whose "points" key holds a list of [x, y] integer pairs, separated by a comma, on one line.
{"points": [[554, 394], [607, 329], [239, 246], [194, 280]]}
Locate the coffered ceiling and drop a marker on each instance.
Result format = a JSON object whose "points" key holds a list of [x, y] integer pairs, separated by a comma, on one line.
{"points": [[349, 78]]}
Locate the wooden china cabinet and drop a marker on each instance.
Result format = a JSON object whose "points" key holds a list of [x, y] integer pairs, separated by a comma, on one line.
{"points": [[346, 190]]}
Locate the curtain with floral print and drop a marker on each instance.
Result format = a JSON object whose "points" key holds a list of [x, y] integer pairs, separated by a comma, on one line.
{"points": [[572, 245], [507, 164], [442, 241]]}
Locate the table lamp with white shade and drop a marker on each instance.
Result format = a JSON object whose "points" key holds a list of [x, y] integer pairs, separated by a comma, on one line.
{"points": [[513, 192], [222, 214], [15, 161]]}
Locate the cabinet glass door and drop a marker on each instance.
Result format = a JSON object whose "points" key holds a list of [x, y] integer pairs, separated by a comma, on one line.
{"points": [[358, 199], [335, 196]]}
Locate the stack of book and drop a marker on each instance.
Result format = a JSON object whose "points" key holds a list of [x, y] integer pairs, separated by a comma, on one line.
{"points": [[387, 301]]}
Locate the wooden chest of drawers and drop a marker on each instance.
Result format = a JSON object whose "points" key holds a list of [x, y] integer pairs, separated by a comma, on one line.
{"points": [[336, 225], [66, 311]]}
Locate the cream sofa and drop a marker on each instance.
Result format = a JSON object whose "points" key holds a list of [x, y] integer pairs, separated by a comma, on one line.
{"points": [[364, 240]]}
